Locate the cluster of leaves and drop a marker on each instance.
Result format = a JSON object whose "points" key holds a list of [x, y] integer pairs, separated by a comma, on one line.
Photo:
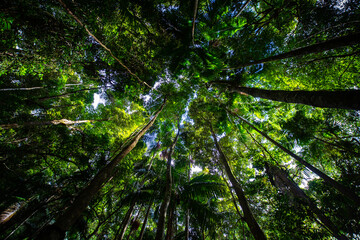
{"points": [[57, 57]]}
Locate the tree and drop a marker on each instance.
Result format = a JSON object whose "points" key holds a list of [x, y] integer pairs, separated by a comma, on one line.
{"points": [[82, 157], [74, 211], [248, 216], [345, 99]]}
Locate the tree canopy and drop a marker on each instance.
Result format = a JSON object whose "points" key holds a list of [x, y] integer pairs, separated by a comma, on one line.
{"points": [[174, 119]]}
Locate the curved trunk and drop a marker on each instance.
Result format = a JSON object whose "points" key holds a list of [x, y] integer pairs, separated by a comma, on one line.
{"points": [[74, 211], [343, 99], [341, 188], [334, 43], [248, 216], [281, 176], [167, 195]]}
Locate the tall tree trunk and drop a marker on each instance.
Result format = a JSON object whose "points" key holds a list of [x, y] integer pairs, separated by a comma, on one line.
{"points": [[33, 88], [167, 195], [141, 235], [74, 211], [341, 188], [64, 94], [170, 225], [279, 174], [53, 122], [125, 222], [334, 43], [187, 215], [134, 223], [344, 99], [248, 216]]}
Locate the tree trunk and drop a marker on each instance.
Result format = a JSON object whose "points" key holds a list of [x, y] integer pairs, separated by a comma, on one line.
{"points": [[32, 88], [167, 194], [125, 222], [53, 122], [64, 94], [341, 188], [170, 225], [248, 216], [187, 215], [343, 99], [134, 223], [74, 211], [141, 235], [282, 176], [334, 43]]}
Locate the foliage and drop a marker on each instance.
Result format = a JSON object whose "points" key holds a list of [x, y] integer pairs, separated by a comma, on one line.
{"points": [[57, 57]]}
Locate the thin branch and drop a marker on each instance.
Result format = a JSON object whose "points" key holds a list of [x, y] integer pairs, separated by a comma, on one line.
{"points": [[242, 8], [103, 45], [193, 22]]}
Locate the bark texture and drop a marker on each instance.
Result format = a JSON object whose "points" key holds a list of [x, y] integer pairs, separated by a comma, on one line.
{"points": [[248, 216], [343, 99], [74, 211]]}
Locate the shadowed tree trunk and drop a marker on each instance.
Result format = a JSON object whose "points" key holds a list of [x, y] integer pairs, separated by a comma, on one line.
{"points": [[125, 222], [334, 43], [141, 235], [74, 211], [64, 94], [187, 216], [281, 178], [127, 218], [170, 223], [341, 188], [248, 216], [344, 99], [167, 195]]}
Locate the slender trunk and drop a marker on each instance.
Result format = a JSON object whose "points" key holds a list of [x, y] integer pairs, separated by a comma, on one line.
{"points": [[103, 45], [341, 188], [167, 194], [20, 216], [338, 146], [64, 94], [280, 175], [187, 216], [248, 216], [169, 230], [134, 223], [74, 211], [193, 21], [125, 222], [141, 235], [242, 8], [32, 88], [343, 99], [334, 43], [53, 122]]}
